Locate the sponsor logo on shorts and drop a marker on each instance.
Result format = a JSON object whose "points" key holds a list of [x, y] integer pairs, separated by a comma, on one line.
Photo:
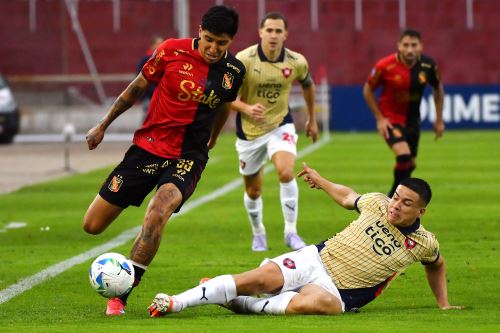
{"points": [[243, 164], [115, 184], [289, 263]]}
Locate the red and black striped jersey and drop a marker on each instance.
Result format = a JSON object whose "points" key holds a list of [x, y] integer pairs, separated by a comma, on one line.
{"points": [[402, 86], [189, 91]]}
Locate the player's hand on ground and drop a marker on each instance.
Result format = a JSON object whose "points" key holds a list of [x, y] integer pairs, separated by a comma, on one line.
{"points": [[94, 137], [312, 130], [383, 127], [438, 129], [256, 111], [310, 176]]}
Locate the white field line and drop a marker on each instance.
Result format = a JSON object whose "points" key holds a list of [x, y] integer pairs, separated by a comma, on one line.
{"points": [[54, 270]]}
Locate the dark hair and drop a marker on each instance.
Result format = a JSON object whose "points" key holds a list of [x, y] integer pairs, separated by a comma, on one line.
{"points": [[274, 16], [420, 186], [220, 20], [410, 33]]}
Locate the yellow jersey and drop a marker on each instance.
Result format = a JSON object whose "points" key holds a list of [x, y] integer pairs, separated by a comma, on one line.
{"points": [[369, 252], [268, 83]]}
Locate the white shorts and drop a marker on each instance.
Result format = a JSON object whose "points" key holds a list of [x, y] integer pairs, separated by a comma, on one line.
{"points": [[254, 154], [304, 267]]}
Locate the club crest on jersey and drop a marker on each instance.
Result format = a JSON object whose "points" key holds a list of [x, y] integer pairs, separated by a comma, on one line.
{"points": [[286, 72], [422, 78], [410, 243], [227, 81], [289, 263], [115, 184]]}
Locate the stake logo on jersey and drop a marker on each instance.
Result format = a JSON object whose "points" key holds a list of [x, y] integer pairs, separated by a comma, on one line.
{"points": [[190, 93]]}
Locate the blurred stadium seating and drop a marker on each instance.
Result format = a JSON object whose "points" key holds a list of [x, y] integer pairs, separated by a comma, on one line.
{"points": [[41, 53]]}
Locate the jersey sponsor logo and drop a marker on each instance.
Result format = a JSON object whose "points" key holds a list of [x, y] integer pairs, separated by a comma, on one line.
{"points": [[152, 67], [410, 243], [186, 68], [289, 263], [233, 67], [270, 91], [286, 72], [227, 81], [190, 93], [384, 241], [116, 183]]}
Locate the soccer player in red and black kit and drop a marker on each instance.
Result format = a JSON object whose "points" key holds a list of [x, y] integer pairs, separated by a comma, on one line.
{"points": [[196, 81], [403, 77]]}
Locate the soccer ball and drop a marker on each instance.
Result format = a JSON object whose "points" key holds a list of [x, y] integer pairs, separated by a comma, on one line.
{"points": [[111, 275]]}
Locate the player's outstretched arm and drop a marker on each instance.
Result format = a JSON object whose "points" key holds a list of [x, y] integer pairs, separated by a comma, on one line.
{"points": [[343, 195], [436, 276], [126, 99]]}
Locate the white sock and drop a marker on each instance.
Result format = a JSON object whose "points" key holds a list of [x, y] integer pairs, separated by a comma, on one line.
{"points": [[218, 290], [255, 211], [289, 197], [270, 305]]}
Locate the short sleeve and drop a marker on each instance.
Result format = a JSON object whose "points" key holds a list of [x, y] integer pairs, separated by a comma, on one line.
{"points": [[155, 66], [432, 253], [374, 202], [375, 76]]}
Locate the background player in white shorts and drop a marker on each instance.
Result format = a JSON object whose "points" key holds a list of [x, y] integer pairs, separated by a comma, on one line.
{"points": [[265, 126]]}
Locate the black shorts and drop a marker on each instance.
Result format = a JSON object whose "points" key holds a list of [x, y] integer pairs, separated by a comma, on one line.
{"points": [[140, 171], [408, 134]]}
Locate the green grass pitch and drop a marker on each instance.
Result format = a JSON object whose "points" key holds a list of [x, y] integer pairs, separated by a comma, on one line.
{"points": [[463, 168]]}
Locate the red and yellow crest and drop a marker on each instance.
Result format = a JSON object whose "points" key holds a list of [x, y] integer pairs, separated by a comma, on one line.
{"points": [[227, 81]]}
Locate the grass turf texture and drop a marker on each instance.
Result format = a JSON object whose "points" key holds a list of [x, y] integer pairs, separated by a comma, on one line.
{"points": [[463, 169]]}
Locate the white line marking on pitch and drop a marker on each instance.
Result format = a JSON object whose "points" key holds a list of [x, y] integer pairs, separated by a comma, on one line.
{"points": [[54, 270]]}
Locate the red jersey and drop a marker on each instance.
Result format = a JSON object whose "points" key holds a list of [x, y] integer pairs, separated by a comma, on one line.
{"points": [[402, 86], [188, 92]]}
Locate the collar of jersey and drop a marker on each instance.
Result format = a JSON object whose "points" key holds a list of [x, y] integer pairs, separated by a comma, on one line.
{"points": [[263, 58], [411, 228]]}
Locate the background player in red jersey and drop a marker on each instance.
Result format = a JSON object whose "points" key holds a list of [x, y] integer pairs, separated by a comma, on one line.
{"points": [[403, 77], [196, 81], [343, 273], [148, 95]]}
